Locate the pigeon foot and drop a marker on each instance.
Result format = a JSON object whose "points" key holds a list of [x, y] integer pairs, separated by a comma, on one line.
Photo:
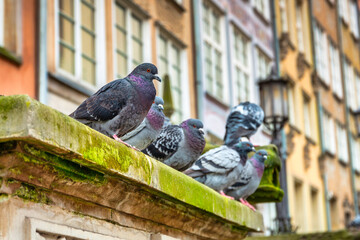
{"points": [[246, 203], [126, 144], [223, 194]]}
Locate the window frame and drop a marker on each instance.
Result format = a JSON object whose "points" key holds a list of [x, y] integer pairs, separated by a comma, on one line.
{"points": [[265, 11], [237, 65], [328, 132], [100, 47], [283, 16], [321, 54], [214, 48], [335, 71], [341, 143], [354, 15], [19, 37], [263, 62], [299, 27], [307, 116], [183, 81]]}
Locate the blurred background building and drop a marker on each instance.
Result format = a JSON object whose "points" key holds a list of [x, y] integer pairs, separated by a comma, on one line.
{"points": [[214, 52]]}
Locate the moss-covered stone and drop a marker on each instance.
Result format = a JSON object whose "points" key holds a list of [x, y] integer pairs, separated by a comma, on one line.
{"points": [[339, 235], [50, 138], [30, 193]]}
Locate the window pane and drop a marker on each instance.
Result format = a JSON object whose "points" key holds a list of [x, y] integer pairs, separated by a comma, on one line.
{"points": [[88, 71], [66, 31], [121, 41], [137, 52], [206, 19], [216, 23], [10, 25], [87, 17], [120, 16], [88, 44], [67, 59], [121, 65], [136, 27], [67, 7]]}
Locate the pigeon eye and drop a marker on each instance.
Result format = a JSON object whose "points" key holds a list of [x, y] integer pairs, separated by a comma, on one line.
{"points": [[248, 145], [148, 70], [153, 101], [194, 126]]}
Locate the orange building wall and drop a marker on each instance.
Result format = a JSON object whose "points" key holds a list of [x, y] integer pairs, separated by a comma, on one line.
{"points": [[15, 79]]}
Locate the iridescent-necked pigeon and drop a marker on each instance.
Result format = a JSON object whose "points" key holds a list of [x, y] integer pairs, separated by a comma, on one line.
{"points": [[150, 127], [220, 167], [178, 146], [243, 121], [121, 105], [249, 178]]}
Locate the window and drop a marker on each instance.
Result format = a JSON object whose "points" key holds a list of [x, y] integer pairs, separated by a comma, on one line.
{"points": [[350, 85], [283, 15], [292, 104], [241, 60], [344, 10], [315, 210], [328, 133], [355, 153], [129, 50], [213, 51], [307, 114], [78, 40], [335, 71], [169, 61], [354, 27], [263, 64], [342, 147], [299, 27], [262, 6], [357, 80], [321, 54], [10, 25]]}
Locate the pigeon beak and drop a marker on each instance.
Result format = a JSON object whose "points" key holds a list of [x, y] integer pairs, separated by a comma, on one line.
{"points": [[161, 106], [253, 149], [157, 77], [201, 131], [265, 157]]}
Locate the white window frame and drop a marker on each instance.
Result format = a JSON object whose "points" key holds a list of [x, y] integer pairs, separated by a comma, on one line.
{"points": [[18, 27], [354, 25], [292, 104], [100, 46], [263, 62], [184, 82], [357, 83], [215, 47], [265, 12], [335, 70], [344, 10], [355, 153], [350, 85], [299, 27], [145, 31], [283, 15], [328, 132], [321, 54], [342, 143], [238, 65]]}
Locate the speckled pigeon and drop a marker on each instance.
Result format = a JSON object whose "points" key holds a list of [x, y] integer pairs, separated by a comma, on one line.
{"points": [[178, 146], [220, 167], [121, 105], [150, 127], [249, 178], [243, 121]]}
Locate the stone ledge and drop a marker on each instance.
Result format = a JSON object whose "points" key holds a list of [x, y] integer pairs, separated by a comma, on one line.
{"points": [[49, 157]]}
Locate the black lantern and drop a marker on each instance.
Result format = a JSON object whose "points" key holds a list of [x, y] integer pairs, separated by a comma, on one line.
{"points": [[274, 101], [357, 121]]}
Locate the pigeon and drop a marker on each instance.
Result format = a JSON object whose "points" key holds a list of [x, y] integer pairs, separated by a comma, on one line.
{"points": [[150, 127], [220, 167], [243, 121], [121, 105], [249, 178], [178, 146]]}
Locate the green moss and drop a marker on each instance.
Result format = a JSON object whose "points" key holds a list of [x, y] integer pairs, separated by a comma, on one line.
{"points": [[7, 146], [31, 193], [10, 56], [3, 197]]}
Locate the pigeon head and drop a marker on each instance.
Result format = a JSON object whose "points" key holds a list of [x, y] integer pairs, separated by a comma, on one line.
{"points": [[148, 70], [261, 155], [246, 147], [194, 125], [158, 104]]}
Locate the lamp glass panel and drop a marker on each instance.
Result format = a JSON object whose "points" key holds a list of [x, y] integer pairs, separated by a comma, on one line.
{"points": [[277, 99]]}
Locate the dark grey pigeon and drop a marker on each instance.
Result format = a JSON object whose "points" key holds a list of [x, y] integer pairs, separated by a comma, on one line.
{"points": [[243, 121], [121, 105], [249, 178], [178, 146], [150, 127], [220, 167]]}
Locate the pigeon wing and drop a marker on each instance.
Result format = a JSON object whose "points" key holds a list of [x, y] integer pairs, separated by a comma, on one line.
{"points": [[135, 131], [244, 179], [219, 160], [106, 103], [166, 144]]}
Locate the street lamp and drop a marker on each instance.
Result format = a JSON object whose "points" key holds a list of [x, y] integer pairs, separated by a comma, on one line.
{"points": [[274, 101], [357, 121]]}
